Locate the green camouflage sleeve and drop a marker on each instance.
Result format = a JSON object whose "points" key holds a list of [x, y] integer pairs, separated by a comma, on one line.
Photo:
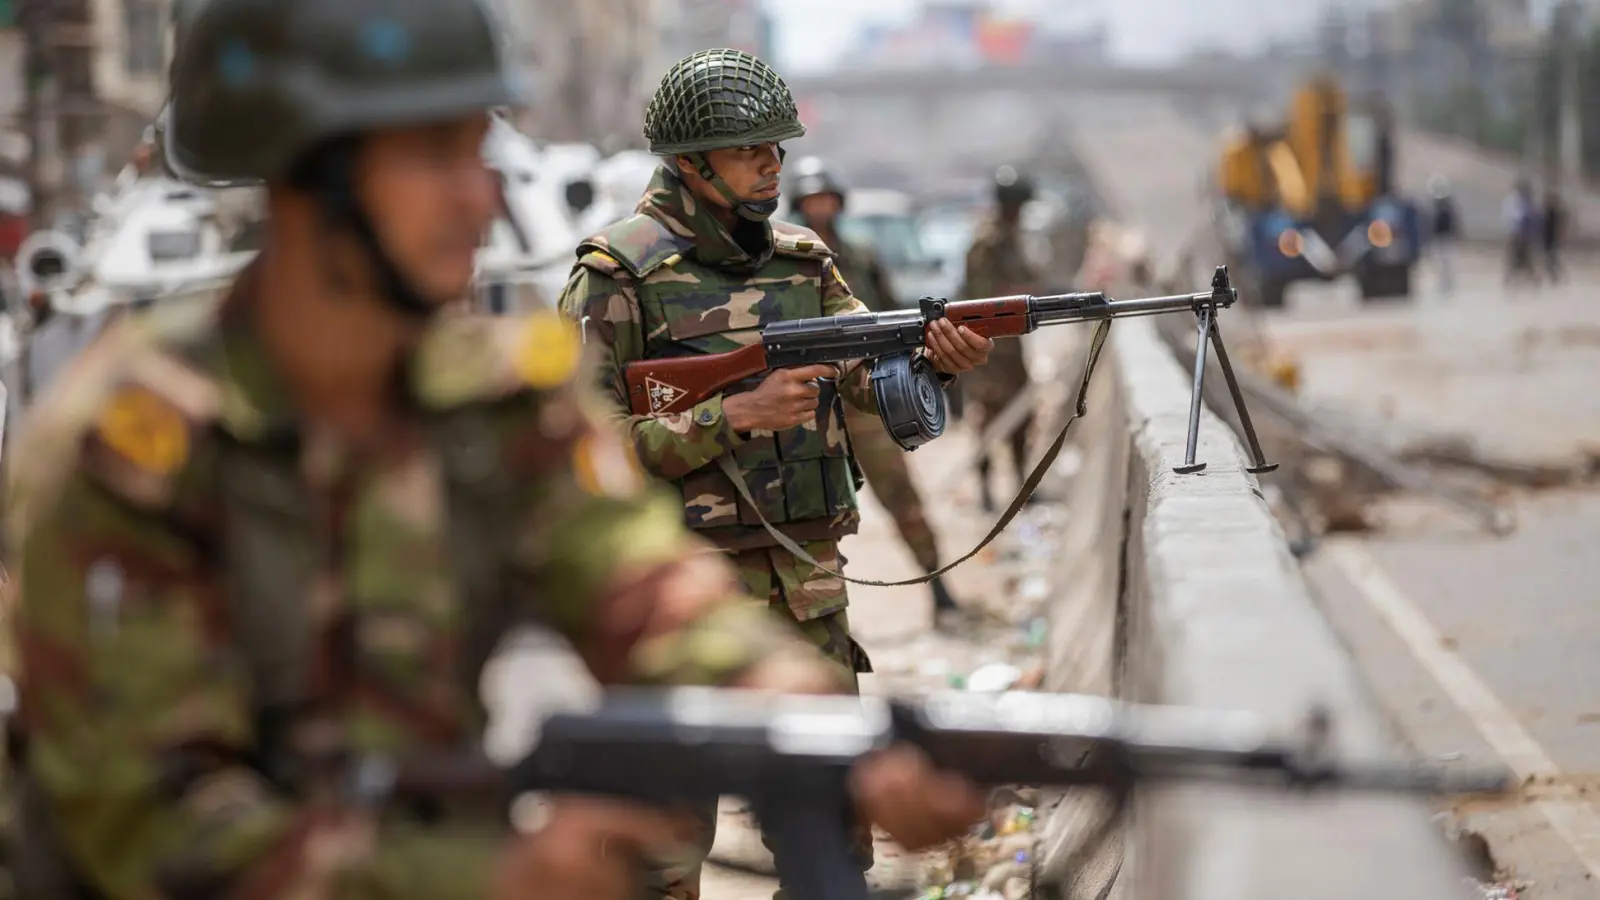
{"points": [[885, 289], [138, 726], [979, 281], [605, 550], [669, 445], [855, 381]]}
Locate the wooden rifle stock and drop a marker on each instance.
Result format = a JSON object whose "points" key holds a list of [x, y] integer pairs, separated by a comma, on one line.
{"points": [[672, 385]]}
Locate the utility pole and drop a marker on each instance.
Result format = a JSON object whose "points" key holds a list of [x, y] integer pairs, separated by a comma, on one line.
{"points": [[37, 19], [81, 114], [1570, 116], [63, 112]]}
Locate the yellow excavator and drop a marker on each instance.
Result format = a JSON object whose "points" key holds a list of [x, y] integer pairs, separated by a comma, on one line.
{"points": [[1311, 198]]}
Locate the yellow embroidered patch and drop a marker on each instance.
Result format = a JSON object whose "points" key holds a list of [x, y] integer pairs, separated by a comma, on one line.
{"points": [[604, 467], [548, 350], [145, 430]]}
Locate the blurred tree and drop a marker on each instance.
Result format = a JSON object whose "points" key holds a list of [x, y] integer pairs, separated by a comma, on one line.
{"points": [[1463, 23]]}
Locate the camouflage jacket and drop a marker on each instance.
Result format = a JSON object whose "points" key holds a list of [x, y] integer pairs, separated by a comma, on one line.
{"points": [[672, 281], [997, 264], [211, 596], [862, 270]]}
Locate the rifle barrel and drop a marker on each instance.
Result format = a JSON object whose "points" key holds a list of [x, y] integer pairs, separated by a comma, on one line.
{"points": [[1058, 308]]}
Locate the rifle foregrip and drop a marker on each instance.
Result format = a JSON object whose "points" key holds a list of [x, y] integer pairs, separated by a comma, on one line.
{"points": [[993, 317], [661, 386]]}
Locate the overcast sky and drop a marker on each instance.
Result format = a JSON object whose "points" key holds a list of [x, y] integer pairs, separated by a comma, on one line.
{"points": [[813, 33]]}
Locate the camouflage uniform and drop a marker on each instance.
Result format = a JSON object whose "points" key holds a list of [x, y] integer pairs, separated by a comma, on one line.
{"points": [[882, 462], [191, 564], [217, 606], [996, 266], [671, 280]]}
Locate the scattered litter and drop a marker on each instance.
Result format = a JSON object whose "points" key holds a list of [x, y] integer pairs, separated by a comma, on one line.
{"points": [[1038, 629], [994, 677], [1494, 891], [1034, 588], [994, 861]]}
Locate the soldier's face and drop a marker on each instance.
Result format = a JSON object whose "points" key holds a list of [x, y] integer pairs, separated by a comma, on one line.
{"points": [[750, 172], [431, 198], [820, 207]]}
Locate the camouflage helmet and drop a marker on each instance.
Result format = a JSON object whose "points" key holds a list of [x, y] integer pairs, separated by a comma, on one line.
{"points": [[716, 99], [255, 84], [811, 177], [1012, 188]]}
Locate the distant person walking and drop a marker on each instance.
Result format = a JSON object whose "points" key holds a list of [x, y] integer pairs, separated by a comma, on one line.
{"points": [[1553, 232], [1445, 231], [1521, 224]]}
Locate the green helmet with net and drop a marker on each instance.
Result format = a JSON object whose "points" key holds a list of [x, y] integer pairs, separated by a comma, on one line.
{"points": [[283, 91], [718, 99], [811, 177], [1011, 187]]}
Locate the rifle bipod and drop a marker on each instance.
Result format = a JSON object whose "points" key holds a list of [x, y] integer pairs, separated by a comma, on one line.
{"points": [[1222, 294]]}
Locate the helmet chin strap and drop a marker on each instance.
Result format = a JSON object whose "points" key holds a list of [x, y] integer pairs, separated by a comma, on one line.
{"points": [[752, 210], [329, 173]]}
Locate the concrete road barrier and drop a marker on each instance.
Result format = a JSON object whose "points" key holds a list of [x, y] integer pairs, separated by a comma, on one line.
{"points": [[1186, 582]]}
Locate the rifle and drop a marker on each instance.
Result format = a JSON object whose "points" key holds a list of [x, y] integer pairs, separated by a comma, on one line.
{"points": [[790, 756], [910, 399]]}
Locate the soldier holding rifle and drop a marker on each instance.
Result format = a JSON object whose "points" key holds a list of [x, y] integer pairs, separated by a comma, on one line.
{"points": [[259, 535], [764, 469]]}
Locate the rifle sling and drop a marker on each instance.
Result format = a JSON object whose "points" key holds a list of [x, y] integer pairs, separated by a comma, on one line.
{"points": [[1096, 343]]}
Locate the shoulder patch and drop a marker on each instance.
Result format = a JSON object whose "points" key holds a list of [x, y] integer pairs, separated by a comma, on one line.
{"points": [[143, 430], [639, 243], [476, 358], [548, 350], [789, 239], [600, 261]]}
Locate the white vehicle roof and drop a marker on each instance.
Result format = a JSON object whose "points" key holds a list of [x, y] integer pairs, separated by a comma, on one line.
{"points": [[879, 202], [155, 235]]}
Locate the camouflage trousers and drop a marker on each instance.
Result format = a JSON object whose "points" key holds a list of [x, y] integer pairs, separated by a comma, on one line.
{"points": [[989, 390], [813, 602], [884, 465]]}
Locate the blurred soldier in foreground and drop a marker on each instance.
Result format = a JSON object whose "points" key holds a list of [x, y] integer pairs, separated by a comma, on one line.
{"points": [[764, 471], [997, 267], [819, 199], [264, 535]]}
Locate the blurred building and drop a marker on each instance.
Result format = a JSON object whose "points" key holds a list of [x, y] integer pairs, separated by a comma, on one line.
{"points": [[685, 26], [588, 61], [970, 34]]}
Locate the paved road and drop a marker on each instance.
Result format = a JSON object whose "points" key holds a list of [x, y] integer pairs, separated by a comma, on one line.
{"points": [[1481, 648]]}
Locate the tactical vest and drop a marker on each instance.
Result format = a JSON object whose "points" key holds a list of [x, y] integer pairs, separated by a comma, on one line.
{"points": [[803, 479]]}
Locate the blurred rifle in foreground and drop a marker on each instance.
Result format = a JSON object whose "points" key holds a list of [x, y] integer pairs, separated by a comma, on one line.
{"points": [[790, 757]]}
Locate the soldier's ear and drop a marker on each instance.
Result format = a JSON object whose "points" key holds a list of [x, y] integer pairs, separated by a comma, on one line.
{"points": [[685, 166]]}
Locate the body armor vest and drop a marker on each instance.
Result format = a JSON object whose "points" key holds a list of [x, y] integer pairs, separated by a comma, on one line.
{"points": [[803, 479]]}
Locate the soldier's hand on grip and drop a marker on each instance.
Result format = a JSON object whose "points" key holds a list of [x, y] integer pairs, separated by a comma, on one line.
{"points": [[954, 349], [588, 849], [900, 791], [786, 398]]}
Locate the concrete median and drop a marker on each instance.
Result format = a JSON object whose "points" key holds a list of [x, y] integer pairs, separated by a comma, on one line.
{"points": [[1182, 590]]}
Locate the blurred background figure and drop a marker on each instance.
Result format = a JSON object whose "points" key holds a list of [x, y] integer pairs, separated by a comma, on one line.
{"points": [[818, 199], [1552, 231], [1445, 230], [1522, 223], [998, 266]]}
